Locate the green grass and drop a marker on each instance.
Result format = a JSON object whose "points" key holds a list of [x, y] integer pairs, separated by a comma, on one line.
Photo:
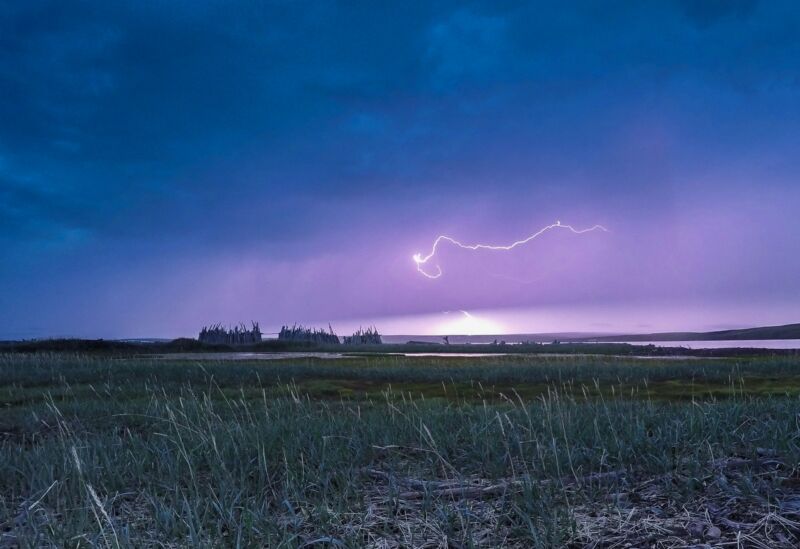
{"points": [[96, 451]]}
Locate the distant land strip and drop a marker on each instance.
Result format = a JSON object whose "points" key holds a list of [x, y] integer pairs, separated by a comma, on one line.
{"points": [[786, 331]]}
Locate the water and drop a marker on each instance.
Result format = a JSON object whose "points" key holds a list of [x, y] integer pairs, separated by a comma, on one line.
{"points": [[461, 355], [724, 344], [326, 355], [247, 356]]}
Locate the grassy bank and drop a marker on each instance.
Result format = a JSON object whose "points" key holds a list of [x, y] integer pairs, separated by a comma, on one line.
{"points": [[103, 347], [396, 451]]}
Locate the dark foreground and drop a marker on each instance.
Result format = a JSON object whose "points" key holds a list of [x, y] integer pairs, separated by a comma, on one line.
{"points": [[399, 452]]}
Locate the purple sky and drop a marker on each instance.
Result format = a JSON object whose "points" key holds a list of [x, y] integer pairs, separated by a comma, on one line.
{"points": [[165, 167]]}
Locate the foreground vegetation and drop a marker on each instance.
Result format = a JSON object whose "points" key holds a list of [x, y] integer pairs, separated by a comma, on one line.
{"points": [[398, 451]]}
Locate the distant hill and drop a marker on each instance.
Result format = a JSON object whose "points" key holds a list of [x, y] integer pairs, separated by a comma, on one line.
{"points": [[787, 331]]}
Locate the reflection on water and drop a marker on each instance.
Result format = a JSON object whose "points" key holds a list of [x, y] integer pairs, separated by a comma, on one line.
{"points": [[449, 354], [728, 344], [247, 356], [284, 356]]}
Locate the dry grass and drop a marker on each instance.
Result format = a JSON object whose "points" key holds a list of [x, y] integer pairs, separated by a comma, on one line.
{"points": [[254, 465]]}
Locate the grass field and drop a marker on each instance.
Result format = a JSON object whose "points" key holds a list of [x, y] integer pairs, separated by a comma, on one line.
{"points": [[521, 451]]}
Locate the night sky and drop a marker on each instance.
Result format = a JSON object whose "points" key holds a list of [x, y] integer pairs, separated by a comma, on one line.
{"points": [[165, 165]]}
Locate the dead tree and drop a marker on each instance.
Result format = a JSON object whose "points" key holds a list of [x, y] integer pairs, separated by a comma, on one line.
{"points": [[238, 335]]}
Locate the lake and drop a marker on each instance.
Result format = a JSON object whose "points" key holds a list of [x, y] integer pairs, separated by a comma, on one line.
{"points": [[724, 344]]}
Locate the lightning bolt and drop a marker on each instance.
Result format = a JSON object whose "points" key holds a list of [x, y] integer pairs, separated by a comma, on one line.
{"points": [[421, 260]]}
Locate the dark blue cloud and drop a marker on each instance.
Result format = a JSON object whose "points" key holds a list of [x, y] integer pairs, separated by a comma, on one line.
{"points": [[711, 11], [193, 129]]}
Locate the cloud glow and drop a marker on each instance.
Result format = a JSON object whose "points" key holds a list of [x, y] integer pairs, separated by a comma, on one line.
{"points": [[469, 324]]}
